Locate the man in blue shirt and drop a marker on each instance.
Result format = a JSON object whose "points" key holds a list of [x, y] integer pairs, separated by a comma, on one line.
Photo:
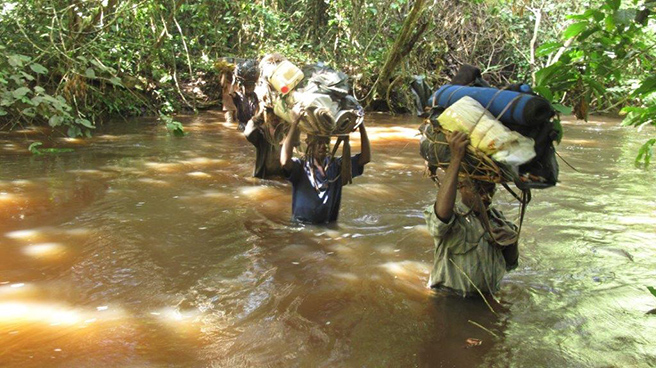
{"points": [[316, 181]]}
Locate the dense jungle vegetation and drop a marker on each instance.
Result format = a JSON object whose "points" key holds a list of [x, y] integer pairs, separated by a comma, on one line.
{"points": [[73, 64]]}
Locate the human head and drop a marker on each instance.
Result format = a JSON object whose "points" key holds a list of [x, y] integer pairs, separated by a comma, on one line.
{"points": [[471, 190], [318, 147], [249, 87]]}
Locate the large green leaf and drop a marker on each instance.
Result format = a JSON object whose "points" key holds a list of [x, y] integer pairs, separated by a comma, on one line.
{"points": [[17, 60], [609, 23], [575, 29], [542, 76], [544, 92], [547, 48], [38, 68], [20, 92]]}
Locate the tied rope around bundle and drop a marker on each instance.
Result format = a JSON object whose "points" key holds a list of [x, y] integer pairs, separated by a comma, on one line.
{"points": [[476, 165]]}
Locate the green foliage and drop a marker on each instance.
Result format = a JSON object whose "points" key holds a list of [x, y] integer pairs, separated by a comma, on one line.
{"points": [[652, 290], [602, 53], [173, 127], [645, 152], [35, 150]]}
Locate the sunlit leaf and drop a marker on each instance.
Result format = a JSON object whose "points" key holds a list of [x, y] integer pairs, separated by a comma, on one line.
{"points": [[609, 23], [547, 48], [574, 30]]}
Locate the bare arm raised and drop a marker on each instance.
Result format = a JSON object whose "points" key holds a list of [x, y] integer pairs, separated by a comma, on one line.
{"points": [[446, 195], [365, 154], [287, 151]]}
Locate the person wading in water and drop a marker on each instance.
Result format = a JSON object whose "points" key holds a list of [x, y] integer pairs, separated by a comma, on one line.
{"points": [[265, 132], [316, 181], [474, 244]]}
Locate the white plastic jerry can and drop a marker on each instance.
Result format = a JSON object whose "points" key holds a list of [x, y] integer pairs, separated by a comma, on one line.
{"points": [[285, 77]]}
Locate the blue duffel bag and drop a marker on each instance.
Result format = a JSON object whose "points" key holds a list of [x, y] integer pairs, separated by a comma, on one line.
{"points": [[519, 111]]}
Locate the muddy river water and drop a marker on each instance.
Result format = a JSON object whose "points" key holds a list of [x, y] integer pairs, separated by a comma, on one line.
{"points": [[140, 249]]}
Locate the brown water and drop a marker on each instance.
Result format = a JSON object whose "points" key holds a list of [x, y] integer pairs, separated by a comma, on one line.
{"points": [[140, 249]]}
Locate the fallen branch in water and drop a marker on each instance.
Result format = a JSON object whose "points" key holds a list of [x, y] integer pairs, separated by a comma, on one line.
{"points": [[485, 329]]}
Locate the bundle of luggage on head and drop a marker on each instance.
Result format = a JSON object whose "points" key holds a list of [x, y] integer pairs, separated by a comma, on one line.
{"points": [[511, 133], [315, 93], [242, 70]]}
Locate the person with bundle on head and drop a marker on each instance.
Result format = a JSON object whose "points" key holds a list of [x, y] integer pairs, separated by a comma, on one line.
{"points": [[245, 99], [317, 178], [474, 244], [265, 131]]}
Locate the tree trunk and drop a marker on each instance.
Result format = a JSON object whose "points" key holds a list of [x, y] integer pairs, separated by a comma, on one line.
{"points": [[319, 9], [412, 29]]}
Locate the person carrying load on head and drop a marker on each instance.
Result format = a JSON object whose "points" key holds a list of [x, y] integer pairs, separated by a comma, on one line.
{"points": [[474, 244], [265, 131], [244, 98], [318, 177]]}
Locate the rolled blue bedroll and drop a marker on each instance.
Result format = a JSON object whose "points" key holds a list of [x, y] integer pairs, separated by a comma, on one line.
{"points": [[525, 110]]}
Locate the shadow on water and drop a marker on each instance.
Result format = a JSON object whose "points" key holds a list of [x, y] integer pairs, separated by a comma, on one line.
{"points": [[141, 249]]}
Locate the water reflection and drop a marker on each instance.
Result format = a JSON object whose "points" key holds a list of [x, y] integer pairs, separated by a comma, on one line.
{"points": [[151, 251]]}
